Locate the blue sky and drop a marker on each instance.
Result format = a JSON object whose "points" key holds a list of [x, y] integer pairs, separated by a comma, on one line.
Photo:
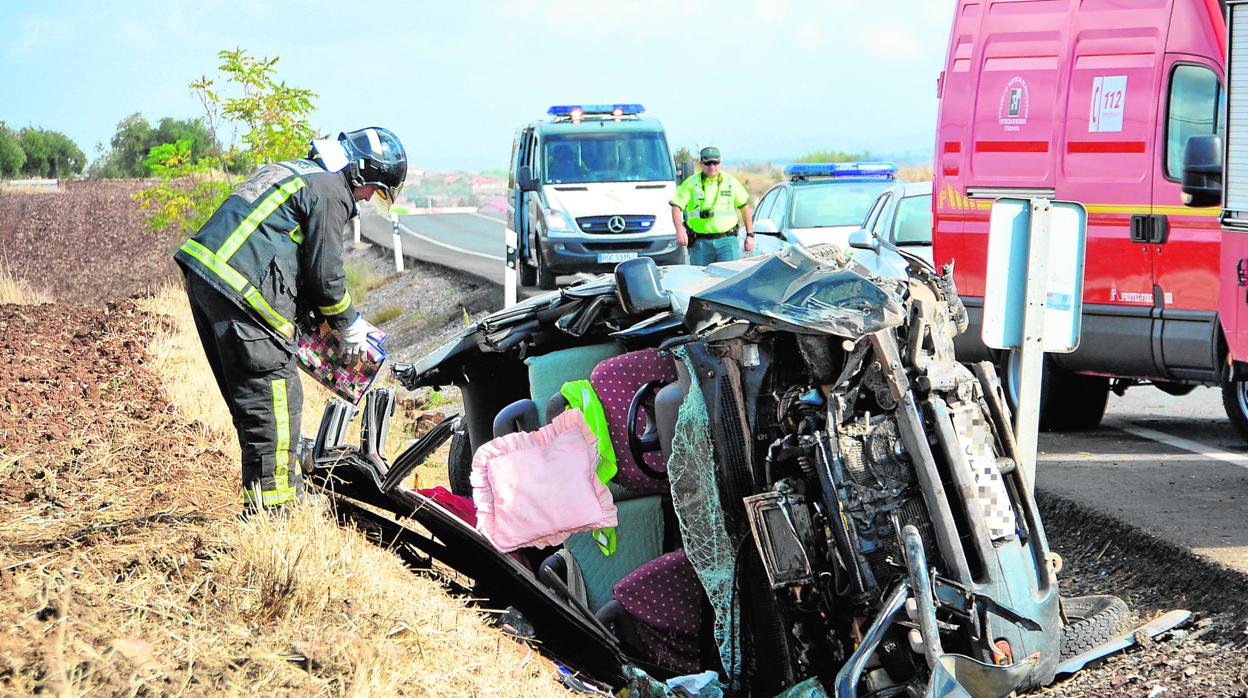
{"points": [[764, 80]]}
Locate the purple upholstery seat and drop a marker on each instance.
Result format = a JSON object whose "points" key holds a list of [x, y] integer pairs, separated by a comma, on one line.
{"points": [[616, 380], [665, 599]]}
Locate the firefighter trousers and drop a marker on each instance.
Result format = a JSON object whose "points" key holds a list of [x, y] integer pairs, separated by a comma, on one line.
{"points": [[259, 380]]}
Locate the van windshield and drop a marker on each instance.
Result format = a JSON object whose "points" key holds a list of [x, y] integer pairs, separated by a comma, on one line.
{"points": [[632, 156], [835, 203]]}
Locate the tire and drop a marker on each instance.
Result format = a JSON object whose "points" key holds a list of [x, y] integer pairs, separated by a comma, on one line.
{"points": [[459, 464], [1068, 401], [1075, 402], [545, 276], [528, 275], [1235, 402], [1091, 622]]}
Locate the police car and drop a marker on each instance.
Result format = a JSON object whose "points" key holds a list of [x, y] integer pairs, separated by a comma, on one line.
{"points": [[819, 203], [902, 215]]}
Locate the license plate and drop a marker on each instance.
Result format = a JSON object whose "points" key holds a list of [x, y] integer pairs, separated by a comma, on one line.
{"points": [[606, 257]]}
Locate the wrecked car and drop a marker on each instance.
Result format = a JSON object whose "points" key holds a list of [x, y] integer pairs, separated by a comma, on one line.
{"points": [[811, 495]]}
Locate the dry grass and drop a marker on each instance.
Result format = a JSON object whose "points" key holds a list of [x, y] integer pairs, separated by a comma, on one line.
{"points": [[915, 173], [17, 291], [130, 575]]}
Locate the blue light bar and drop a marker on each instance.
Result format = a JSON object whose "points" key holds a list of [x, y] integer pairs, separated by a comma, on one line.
{"points": [[623, 109], [885, 170]]}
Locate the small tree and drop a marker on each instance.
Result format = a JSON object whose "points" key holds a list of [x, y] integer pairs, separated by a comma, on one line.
{"points": [[37, 151], [64, 156], [12, 157], [275, 115], [274, 120], [186, 188]]}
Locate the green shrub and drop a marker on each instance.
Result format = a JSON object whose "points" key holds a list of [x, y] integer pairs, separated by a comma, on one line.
{"points": [[386, 314]]}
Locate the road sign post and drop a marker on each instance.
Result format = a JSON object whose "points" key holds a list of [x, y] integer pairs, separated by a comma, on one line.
{"points": [[510, 279], [355, 225], [398, 242], [1033, 298]]}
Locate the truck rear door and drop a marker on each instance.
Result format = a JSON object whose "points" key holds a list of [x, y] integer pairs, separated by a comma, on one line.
{"points": [[1116, 62]]}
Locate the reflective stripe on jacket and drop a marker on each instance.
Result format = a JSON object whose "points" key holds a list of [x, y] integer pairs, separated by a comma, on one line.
{"points": [[275, 246], [722, 196]]}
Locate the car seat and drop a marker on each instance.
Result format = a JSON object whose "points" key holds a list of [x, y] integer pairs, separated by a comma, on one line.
{"points": [[666, 604]]}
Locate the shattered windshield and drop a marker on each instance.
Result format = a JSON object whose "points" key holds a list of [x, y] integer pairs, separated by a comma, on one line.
{"points": [[798, 293]]}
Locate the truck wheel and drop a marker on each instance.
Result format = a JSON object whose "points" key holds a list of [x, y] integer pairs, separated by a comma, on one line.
{"points": [[1091, 622], [545, 277], [1068, 401], [1235, 402], [1075, 402]]}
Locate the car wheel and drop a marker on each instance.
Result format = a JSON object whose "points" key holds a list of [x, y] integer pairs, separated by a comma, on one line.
{"points": [[1091, 621], [1235, 402], [459, 464], [1068, 401], [545, 276]]}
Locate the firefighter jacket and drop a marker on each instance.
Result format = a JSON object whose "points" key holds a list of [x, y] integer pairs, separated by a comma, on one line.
{"points": [[274, 247]]}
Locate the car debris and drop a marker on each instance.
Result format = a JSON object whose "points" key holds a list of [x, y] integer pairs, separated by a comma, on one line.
{"points": [[842, 489]]}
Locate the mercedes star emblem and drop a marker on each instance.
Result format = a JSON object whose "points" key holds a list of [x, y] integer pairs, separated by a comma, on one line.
{"points": [[616, 224]]}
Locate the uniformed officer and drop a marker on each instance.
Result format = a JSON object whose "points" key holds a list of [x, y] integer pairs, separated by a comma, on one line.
{"points": [[712, 199], [269, 257]]}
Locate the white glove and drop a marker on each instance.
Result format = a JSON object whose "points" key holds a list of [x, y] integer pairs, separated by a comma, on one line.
{"points": [[355, 339]]}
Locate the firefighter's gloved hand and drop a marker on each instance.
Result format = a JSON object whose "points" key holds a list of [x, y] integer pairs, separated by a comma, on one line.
{"points": [[355, 339]]}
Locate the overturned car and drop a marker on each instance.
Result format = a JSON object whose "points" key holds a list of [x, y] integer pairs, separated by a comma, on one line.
{"points": [[809, 495]]}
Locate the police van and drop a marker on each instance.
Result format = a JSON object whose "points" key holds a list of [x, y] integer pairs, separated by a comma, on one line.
{"points": [[589, 188]]}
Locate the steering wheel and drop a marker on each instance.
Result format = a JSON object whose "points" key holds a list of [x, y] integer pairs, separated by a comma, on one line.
{"points": [[641, 444]]}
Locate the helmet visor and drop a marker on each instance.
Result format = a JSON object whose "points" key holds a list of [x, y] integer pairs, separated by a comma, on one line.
{"points": [[383, 199]]}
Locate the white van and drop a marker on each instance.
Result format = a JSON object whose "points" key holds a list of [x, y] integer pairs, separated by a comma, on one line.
{"points": [[589, 188]]}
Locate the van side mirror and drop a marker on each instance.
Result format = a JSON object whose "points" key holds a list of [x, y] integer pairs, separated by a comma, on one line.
{"points": [[684, 170], [863, 239], [1202, 171], [524, 178], [766, 227]]}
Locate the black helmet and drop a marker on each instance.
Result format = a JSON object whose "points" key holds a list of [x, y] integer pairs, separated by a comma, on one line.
{"points": [[376, 157]]}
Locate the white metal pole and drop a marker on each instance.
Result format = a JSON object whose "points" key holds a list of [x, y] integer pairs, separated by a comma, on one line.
{"points": [[355, 224], [511, 281], [1031, 364], [398, 243]]}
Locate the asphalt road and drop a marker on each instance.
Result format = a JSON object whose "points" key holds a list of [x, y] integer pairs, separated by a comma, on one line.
{"points": [[1173, 466], [468, 242]]}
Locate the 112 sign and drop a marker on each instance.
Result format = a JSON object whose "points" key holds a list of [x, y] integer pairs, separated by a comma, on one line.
{"points": [[1109, 95]]}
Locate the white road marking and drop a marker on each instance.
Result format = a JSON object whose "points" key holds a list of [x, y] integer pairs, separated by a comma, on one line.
{"points": [[499, 221], [1196, 447], [439, 243]]}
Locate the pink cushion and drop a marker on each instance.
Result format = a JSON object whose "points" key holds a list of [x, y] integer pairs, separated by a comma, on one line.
{"points": [[537, 488], [615, 382]]}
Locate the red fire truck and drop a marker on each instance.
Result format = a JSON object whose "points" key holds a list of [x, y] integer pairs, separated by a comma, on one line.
{"points": [[1095, 101]]}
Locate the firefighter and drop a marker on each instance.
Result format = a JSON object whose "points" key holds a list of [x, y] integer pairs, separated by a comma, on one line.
{"points": [[269, 257]]}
